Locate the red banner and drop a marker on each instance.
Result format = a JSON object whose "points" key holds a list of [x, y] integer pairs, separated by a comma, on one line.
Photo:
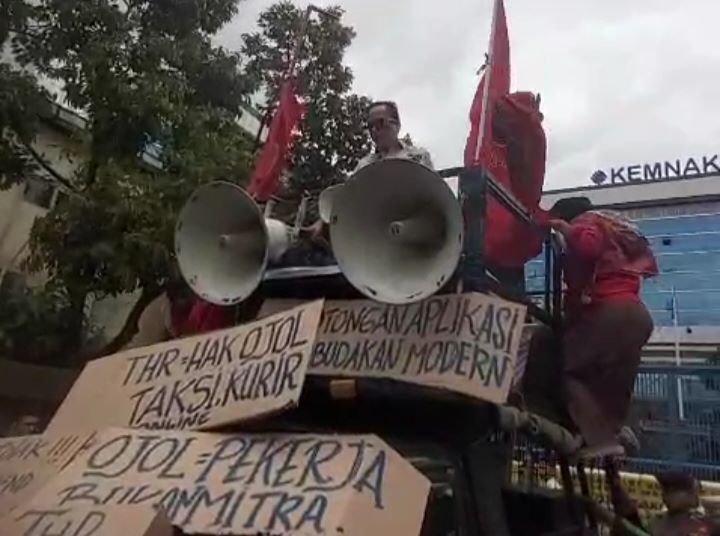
{"points": [[265, 180], [507, 140]]}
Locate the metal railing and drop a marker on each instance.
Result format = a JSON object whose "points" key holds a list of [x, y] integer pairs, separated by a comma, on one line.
{"points": [[676, 413]]}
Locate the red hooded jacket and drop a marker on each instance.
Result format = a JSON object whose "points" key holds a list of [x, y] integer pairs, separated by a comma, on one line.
{"points": [[607, 257]]}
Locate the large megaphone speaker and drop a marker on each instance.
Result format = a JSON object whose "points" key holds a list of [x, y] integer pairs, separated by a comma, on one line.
{"points": [[223, 243], [396, 229], [325, 202]]}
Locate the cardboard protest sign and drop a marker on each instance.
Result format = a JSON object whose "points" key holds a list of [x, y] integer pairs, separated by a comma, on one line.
{"points": [[90, 521], [240, 484], [28, 462], [466, 343], [200, 382]]}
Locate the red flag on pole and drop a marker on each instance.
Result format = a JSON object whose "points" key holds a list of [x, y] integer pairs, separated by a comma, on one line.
{"points": [[266, 177], [507, 140], [494, 84]]}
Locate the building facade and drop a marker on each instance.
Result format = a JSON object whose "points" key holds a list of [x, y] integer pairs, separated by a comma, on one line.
{"points": [[21, 204], [680, 215]]}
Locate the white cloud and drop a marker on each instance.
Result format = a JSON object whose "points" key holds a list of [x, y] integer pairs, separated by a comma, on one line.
{"points": [[622, 82]]}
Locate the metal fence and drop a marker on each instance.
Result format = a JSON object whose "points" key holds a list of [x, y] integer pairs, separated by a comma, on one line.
{"points": [[676, 413]]}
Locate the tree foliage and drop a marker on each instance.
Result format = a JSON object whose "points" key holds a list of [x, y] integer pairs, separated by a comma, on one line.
{"points": [[25, 311], [147, 77], [135, 67], [20, 100], [333, 136]]}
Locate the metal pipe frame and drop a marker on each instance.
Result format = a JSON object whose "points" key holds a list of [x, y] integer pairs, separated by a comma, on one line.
{"points": [[474, 185]]}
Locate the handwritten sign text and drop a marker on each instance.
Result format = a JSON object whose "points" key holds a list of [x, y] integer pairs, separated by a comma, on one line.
{"points": [[200, 382], [467, 343], [247, 484]]}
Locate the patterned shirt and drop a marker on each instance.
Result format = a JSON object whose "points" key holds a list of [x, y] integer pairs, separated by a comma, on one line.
{"points": [[408, 152]]}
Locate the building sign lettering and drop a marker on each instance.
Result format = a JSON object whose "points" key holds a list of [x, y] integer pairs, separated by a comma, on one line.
{"points": [[658, 171]]}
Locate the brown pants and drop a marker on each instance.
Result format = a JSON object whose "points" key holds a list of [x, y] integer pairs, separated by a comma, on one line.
{"points": [[591, 387]]}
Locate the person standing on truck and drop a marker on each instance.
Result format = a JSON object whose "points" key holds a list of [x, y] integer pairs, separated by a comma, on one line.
{"points": [[606, 324], [383, 123], [160, 319], [177, 313]]}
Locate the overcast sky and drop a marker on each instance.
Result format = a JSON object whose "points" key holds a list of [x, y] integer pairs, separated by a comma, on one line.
{"points": [[622, 82]]}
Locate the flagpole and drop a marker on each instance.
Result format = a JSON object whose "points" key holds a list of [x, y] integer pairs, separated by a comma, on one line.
{"points": [[291, 68], [676, 330], [486, 85]]}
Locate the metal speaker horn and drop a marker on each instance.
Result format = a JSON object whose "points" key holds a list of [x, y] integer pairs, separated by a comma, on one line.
{"points": [[223, 243], [397, 231], [325, 202]]}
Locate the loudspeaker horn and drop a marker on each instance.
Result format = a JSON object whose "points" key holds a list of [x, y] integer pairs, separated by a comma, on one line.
{"points": [[325, 202], [223, 243], [396, 230]]}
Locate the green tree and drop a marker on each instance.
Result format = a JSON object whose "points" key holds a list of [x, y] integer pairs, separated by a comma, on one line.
{"points": [[145, 74], [34, 323], [333, 136], [20, 99]]}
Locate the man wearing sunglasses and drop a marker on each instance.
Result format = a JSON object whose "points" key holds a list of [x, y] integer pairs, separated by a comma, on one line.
{"points": [[384, 125], [383, 121]]}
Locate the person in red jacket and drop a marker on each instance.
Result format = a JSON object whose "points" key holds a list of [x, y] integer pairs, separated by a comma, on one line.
{"points": [[188, 314], [606, 323], [203, 317]]}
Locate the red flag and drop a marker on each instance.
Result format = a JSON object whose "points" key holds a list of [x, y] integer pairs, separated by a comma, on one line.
{"points": [[494, 84], [506, 139], [509, 241], [266, 177]]}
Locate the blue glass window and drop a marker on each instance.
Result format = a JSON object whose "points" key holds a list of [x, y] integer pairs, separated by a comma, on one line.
{"points": [[687, 247]]}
